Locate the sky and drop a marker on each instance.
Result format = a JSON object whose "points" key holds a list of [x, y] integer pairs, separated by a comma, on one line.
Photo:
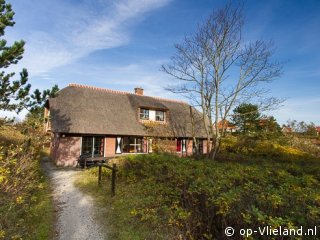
{"points": [[122, 44]]}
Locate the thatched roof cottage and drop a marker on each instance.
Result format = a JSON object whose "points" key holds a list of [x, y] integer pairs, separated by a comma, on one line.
{"points": [[85, 119]]}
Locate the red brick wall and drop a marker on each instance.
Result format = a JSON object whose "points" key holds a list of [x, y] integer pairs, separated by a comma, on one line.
{"points": [[66, 150], [145, 145], [189, 147], [110, 146], [205, 146], [172, 146]]}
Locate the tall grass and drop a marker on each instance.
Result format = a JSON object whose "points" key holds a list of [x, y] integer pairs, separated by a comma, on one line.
{"points": [[193, 199], [26, 209]]}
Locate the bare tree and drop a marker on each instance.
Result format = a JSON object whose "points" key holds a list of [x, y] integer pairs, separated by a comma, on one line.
{"points": [[216, 69]]}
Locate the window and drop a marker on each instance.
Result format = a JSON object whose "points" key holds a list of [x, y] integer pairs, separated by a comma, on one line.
{"points": [[179, 143], [93, 146], [182, 145], [132, 145], [87, 143], [160, 116], [144, 114], [200, 146]]}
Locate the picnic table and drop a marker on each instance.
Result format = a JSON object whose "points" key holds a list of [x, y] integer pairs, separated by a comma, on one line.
{"points": [[87, 160]]}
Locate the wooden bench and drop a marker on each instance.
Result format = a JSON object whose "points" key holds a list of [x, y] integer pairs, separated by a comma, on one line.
{"points": [[87, 160]]}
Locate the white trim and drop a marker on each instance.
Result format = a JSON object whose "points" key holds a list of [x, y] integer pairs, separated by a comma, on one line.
{"points": [[184, 145], [118, 143], [152, 115], [93, 142], [81, 145]]}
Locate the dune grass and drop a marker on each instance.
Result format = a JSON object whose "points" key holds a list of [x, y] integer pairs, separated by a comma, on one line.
{"points": [[166, 197], [26, 206]]}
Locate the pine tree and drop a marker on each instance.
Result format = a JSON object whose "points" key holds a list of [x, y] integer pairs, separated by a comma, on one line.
{"points": [[246, 116], [37, 103], [13, 93]]}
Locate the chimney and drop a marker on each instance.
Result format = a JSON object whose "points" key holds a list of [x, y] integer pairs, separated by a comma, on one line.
{"points": [[138, 91]]}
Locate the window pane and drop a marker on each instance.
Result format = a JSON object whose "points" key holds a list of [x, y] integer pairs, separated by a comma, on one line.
{"points": [[144, 114], [88, 148], [132, 145], [200, 146], [87, 145], [138, 145], [126, 145], [98, 146], [159, 116]]}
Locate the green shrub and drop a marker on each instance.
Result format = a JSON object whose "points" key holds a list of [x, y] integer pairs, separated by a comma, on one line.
{"points": [[284, 148], [199, 199], [26, 210]]}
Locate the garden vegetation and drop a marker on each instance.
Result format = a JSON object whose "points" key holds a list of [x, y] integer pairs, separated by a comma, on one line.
{"points": [[254, 183], [26, 208]]}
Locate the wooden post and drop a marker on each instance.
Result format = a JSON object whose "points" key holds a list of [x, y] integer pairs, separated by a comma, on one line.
{"points": [[85, 163], [113, 180], [99, 176]]}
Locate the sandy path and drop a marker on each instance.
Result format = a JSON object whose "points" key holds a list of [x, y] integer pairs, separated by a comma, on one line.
{"points": [[75, 218]]}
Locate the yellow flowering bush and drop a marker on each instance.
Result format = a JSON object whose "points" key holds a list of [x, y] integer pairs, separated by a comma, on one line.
{"points": [[20, 179]]}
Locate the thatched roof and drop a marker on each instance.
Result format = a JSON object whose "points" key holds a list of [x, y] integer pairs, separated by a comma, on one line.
{"points": [[89, 110]]}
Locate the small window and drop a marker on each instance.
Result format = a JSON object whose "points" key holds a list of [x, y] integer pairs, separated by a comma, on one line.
{"points": [[200, 146], [160, 116], [132, 145], [144, 114]]}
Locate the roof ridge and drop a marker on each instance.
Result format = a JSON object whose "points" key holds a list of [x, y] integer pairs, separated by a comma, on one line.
{"points": [[168, 100], [97, 88], [121, 92]]}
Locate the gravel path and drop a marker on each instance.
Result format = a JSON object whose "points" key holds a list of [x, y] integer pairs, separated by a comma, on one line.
{"points": [[75, 218]]}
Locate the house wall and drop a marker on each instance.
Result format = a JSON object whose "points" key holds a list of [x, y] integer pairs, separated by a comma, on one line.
{"points": [[52, 146], [205, 150], [110, 146], [189, 147], [189, 150], [145, 145], [66, 150]]}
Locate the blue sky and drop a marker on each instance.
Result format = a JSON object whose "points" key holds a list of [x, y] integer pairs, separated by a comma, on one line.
{"points": [[122, 44]]}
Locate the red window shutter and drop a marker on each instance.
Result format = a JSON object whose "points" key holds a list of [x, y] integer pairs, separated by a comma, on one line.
{"points": [[178, 145]]}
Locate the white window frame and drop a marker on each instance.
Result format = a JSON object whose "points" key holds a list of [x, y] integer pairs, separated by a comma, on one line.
{"points": [[143, 114], [163, 115]]}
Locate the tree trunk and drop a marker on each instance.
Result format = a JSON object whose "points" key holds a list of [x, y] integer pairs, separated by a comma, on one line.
{"points": [[209, 147], [216, 146]]}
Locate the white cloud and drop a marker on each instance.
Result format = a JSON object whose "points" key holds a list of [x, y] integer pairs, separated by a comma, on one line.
{"points": [[300, 109], [132, 8], [79, 30], [125, 76]]}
